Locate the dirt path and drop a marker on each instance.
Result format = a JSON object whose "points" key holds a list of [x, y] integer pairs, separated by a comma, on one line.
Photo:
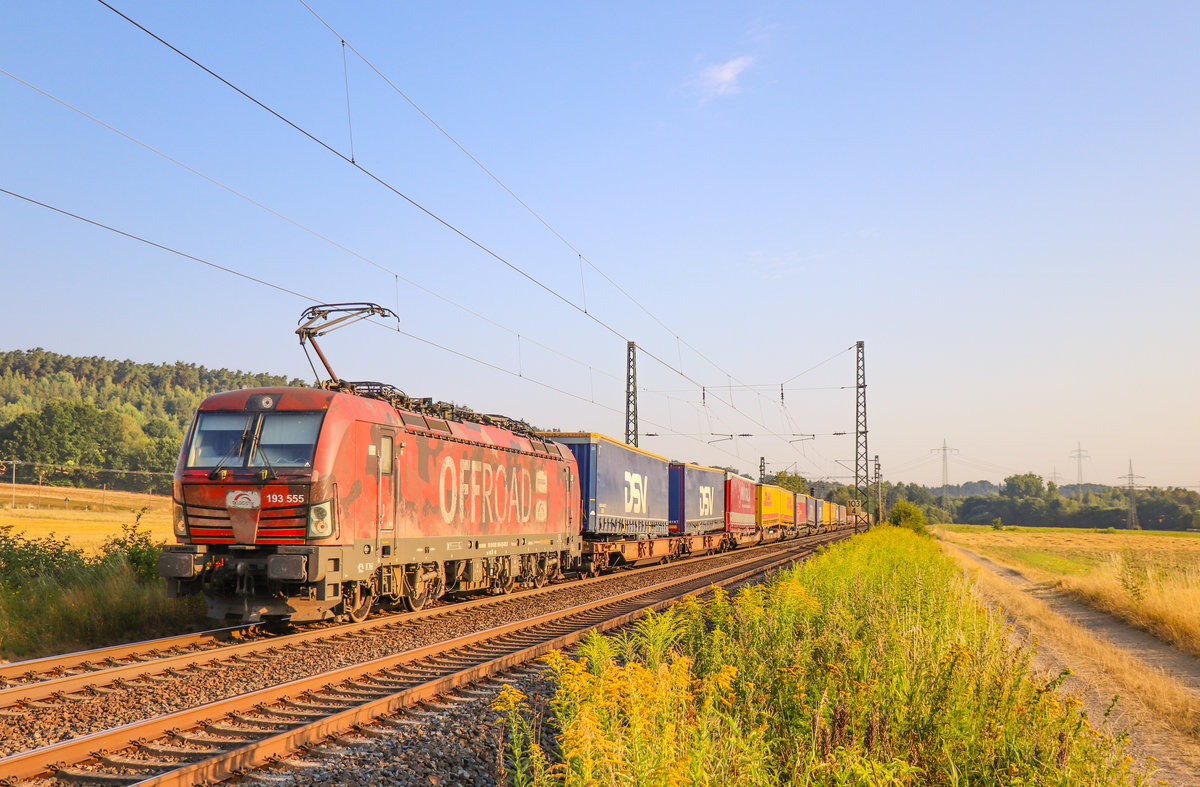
{"points": [[1175, 754]]}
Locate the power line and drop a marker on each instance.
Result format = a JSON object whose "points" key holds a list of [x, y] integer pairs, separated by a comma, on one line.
{"points": [[148, 242], [1131, 520], [461, 233], [395, 329], [945, 452], [578, 253], [1079, 455], [755, 388], [395, 274]]}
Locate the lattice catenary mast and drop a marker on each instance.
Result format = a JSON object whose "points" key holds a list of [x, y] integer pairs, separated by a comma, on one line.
{"points": [[861, 480], [878, 491], [631, 421]]}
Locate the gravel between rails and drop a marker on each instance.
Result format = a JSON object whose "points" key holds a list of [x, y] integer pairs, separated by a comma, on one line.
{"points": [[44, 723], [455, 741]]}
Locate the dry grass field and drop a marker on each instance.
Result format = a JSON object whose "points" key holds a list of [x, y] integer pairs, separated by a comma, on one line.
{"points": [[86, 516], [1150, 580]]}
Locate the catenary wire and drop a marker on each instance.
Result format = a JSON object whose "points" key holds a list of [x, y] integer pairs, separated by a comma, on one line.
{"points": [[423, 209], [397, 275], [378, 179], [311, 299], [579, 254]]}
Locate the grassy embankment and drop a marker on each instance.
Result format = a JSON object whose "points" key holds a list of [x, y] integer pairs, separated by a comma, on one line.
{"points": [[96, 584], [872, 664], [1150, 580]]}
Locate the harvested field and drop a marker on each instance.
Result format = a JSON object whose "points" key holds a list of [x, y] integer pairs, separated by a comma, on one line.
{"points": [[86, 516], [1151, 689], [1150, 580]]}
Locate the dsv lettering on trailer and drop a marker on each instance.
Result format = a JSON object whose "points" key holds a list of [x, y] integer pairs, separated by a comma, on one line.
{"points": [[706, 501], [475, 491], [636, 494]]}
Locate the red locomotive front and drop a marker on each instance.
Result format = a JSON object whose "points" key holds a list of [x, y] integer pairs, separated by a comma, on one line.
{"points": [[305, 504]]}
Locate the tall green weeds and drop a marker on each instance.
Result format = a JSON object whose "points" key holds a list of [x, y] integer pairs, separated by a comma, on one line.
{"points": [[869, 665], [56, 598]]}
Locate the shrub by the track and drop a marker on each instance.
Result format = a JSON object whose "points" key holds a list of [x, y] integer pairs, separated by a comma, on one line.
{"points": [[872, 664], [55, 598]]}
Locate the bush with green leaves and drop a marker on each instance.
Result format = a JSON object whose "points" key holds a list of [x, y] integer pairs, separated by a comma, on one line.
{"points": [[905, 514], [55, 598]]}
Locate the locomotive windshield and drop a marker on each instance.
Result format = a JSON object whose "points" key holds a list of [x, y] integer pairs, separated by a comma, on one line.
{"points": [[273, 440]]}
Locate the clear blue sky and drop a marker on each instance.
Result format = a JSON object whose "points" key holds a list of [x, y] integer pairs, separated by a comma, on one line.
{"points": [[999, 199]]}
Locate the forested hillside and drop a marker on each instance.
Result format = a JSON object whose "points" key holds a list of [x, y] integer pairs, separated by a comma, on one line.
{"points": [[66, 420]]}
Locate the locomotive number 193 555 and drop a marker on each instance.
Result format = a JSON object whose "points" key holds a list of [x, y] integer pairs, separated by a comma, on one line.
{"points": [[277, 497]]}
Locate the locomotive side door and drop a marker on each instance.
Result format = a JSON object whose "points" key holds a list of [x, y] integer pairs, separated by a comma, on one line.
{"points": [[385, 490]]}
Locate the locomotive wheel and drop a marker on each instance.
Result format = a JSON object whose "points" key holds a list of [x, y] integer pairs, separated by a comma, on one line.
{"points": [[418, 599], [505, 584], [358, 605], [540, 575]]}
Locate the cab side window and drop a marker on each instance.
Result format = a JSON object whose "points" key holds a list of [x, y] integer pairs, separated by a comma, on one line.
{"points": [[385, 455]]}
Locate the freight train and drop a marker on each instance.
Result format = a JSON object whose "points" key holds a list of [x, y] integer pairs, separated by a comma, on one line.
{"points": [[305, 504]]}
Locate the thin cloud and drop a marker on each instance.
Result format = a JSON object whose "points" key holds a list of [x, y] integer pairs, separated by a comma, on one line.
{"points": [[722, 80]]}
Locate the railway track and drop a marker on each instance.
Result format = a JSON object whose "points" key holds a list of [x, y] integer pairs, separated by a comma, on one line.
{"points": [[54, 677], [187, 746]]}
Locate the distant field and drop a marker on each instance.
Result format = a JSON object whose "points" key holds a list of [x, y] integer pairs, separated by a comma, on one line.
{"points": [[1149, 579], [86, 516]]}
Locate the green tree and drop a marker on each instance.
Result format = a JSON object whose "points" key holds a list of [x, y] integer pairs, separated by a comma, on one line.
{"points": [[905, 514], [1023, 485], [790, 481]]}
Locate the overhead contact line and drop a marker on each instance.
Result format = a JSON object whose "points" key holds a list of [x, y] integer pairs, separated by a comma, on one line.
{"points": [[445, 223], [311, 299], [579, 254]]}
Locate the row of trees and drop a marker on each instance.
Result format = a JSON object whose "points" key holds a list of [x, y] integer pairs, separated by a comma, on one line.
{"points": [[1024, 499], [86, 421]]}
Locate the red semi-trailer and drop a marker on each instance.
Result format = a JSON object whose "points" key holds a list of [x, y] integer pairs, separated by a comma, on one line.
{"points": [[739, 510], [307, 504]]}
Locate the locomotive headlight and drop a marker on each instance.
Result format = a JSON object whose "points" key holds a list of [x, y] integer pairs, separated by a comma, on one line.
{"points": [[320, 520], [178, 519]]}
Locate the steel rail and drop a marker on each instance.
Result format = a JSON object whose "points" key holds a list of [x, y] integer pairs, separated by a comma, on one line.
{"points": [[264, 751], [43, 762], [155, 663], [65, 661]]}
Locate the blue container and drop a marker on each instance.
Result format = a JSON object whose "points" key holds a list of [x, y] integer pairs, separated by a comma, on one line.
{"points": [[697, 499], [624, 489]]}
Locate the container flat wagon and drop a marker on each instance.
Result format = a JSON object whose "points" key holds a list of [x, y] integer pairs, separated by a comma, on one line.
{"points": [[740, 510], [768, 505], [625, 493], [787, 514]]}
